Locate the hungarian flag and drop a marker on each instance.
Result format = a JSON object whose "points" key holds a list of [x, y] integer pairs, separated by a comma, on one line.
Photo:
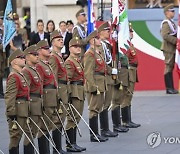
{"points": [[9, 25], [120, 18]]}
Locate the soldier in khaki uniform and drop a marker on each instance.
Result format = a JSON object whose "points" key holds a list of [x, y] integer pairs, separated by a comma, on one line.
{"points": [[57, 63], [104, 33], [79, 29], [2, 56], [36, 89], [49, 95], [129, 90], [169, 35], [95, 71], [17, 103], [75, 75]]}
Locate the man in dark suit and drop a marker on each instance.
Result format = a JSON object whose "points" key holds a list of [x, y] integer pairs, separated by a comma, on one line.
{"points": [[40, 35], [66, 38]]}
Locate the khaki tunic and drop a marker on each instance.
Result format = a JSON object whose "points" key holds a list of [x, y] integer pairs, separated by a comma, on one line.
{"points": [[168, 46], [75, 73], [109, 80], [76, 34], [36, 101], [95, 81], [49, 96], [17, 105], [57, 63]]}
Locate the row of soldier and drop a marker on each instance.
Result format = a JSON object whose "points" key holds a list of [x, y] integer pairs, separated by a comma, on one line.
{"points": [[43, 91]]}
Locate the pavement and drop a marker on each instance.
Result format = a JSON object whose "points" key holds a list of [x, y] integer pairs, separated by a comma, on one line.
{"points": [[158, 114]]}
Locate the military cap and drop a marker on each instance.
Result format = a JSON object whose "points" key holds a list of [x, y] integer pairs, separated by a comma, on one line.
{"points": [[31, 50], [130, 27], [75, 41], [92, 35], [80, 12], [104, 26], [170, 7], [43, 44], [55, 34], [1, 14], [16, 54]]}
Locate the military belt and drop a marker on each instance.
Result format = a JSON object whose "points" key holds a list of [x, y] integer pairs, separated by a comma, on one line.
{"points": [[99, 73], [49, 86], [35, 95], [133, 65], [124, 66], [22, 98], [62, 82], [77, 82]]}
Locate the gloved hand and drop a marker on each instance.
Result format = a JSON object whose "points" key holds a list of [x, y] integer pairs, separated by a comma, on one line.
{"points": [[94, 92], [13, 117], [114, 71], [70, 100], [114, 35], [117, 86]]}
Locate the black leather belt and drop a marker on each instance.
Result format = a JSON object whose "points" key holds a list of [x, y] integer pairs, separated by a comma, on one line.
{"points": [[35, 95], [133, 65], [49, 86], [99, 73], [124, 66], [22, 98], [77, 82], [62, 82]]}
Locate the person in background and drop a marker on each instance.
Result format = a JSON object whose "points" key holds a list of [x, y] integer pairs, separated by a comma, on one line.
{"points": [[169, 35], [27, 19], [50, 26], [66, 38], [69, 25], [41, 34]]}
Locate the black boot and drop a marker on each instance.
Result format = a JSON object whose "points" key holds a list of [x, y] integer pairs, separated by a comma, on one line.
{"points": [[1, 88], [43, 144], [57, 140], [169, 83], [74, 142], [117, 127], [69, 146], [130, 121], [28, 149], [104, 121], [93, 123], [172, 82], [14, 150], [126, 118]]}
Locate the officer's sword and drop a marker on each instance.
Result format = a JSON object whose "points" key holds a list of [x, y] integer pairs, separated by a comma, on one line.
{"points": [[1, 152], [85, 123], [52, 122], [67, 138], [43, 133], [27, 122], [73, 119], [62, 125], [47, 130], [79, 132], [27, 136]]}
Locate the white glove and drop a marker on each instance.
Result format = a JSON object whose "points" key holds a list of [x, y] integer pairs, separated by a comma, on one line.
{"points": [[114, 71], [114, 35]]}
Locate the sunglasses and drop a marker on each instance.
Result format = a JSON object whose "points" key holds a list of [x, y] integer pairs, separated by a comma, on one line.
{"points": [[34, 54], [172, 10], [21, 57], [97, 37], [76, 46]]}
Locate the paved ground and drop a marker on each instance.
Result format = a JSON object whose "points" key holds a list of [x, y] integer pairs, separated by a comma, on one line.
{"points": [[156, 111]]}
